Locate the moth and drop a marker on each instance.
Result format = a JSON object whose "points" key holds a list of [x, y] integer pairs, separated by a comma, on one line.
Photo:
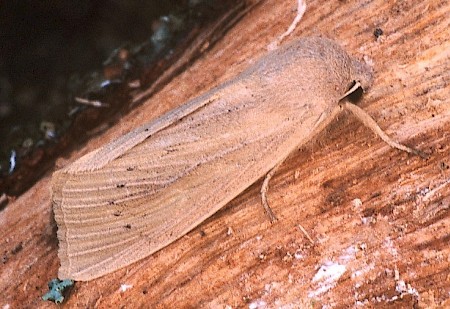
{"points": [[139, 193]]}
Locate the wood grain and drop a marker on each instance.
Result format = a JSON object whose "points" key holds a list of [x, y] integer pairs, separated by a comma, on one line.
{"points": [[399, 234]]}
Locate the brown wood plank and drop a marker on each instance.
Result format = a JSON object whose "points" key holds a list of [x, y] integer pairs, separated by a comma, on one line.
{"points": [[399, 234]]}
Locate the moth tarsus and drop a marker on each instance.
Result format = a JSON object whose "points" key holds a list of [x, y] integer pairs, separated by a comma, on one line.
{"points": [[370, 123]]}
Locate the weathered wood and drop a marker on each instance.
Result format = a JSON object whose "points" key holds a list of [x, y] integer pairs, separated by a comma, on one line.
{"points": [[398, 234]]}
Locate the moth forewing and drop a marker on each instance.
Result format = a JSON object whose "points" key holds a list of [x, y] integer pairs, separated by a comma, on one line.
{"points": [[114, 207]]}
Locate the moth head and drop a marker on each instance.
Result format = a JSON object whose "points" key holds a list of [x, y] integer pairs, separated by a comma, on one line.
{"points": [[361, 80], [362, 74]]}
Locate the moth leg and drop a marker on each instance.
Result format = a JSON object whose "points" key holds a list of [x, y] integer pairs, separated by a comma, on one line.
{"points": [[368, 121], [265, 188]]}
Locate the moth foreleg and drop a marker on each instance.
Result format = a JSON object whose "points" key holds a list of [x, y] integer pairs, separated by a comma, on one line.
{"points": [[365, 118]]}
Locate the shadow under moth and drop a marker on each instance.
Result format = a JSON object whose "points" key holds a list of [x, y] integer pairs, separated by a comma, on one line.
{"points": [[139, 193]]}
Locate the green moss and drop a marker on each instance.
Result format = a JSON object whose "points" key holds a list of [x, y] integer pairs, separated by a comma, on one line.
{"points": [[57, 288]]}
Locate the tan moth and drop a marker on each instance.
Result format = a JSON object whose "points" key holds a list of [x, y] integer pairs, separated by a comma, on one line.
{"points": [[137, 194]]}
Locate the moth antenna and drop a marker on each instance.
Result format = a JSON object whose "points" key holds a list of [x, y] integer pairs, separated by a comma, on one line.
{"points": [[368, 121], [301, 8], [351, 90]]}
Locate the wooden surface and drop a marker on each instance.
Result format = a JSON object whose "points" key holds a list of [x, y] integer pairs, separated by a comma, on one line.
{"points": [[379, 218]]}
